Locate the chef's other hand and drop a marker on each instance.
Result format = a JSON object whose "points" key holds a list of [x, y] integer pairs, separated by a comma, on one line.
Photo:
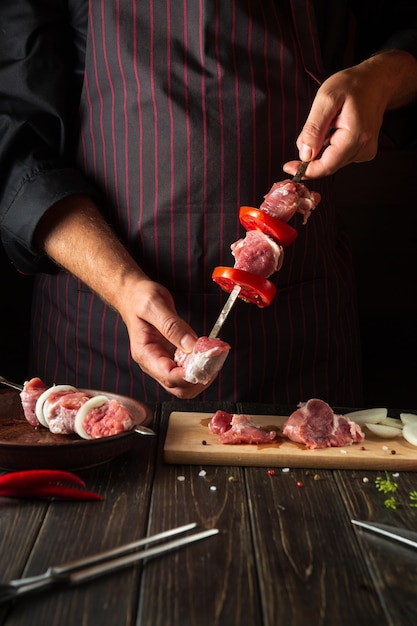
{"points": [[155, 330], [347, 113]]}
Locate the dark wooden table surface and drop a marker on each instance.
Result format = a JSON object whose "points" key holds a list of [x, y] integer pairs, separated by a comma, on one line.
{"points": [[285, 555]]}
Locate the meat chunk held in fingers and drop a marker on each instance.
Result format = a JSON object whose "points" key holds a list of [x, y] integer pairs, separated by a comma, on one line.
{"points": [[205, 361]]}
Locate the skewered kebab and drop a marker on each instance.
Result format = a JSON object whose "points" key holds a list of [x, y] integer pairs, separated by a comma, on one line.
{"points": [[257, 256], [248, 279], [65, 410]]}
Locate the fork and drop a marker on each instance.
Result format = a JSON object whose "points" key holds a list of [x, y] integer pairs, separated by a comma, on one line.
{"points": [[87, 568]]}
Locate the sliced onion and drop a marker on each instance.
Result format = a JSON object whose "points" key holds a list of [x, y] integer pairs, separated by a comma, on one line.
{"points": [[410, 433], [82, 413], [408, 418], [386, 432], [392, 421], [367, 416], [44, 396]]}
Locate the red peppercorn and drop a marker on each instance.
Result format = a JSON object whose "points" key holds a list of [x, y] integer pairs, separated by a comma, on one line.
{"points": [[299, 483], [271, 472]]}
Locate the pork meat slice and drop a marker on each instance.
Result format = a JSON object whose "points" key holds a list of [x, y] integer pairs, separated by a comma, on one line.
{"points": [[111, 418], [239, 429], [60, 410], [220, 422], [257, 253], [317, 426], [32, 390], [286, 198], [206, 359]]}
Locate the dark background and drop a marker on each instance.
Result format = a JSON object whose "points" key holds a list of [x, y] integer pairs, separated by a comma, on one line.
{"points": [[379, 208]]}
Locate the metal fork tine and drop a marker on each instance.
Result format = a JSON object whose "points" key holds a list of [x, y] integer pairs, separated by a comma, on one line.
{"points": [[114, 565], [60, 571], [85, 569]]}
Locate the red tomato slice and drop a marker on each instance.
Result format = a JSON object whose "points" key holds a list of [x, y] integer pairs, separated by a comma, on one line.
{"points": [[255, 219], [255, 289]]}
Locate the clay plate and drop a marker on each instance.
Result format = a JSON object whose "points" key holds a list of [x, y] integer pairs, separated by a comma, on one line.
{"points": [[25, 447]]}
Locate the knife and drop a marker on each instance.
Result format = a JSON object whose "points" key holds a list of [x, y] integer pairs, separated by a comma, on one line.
{"points": [[408, 537], [234, 294]]}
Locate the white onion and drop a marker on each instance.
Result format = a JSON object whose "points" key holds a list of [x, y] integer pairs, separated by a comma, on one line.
{"points": [[410, 433], [44, 396], [367, 416], [82, 413], [386, 432], [408, 418], [392, 421]]}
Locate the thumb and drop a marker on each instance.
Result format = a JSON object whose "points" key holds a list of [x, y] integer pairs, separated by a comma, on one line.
{"points": [[174, 329], [316, 130]]}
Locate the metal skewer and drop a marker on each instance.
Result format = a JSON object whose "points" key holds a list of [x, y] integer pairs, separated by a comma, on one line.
{"points": [[9, 383], [300, 171], [225, 311]]}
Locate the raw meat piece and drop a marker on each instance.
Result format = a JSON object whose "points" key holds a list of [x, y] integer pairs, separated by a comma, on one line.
{"points": [[204, 361], [29, 395], [286, 198], [111, 418], [257, 253], [317, 426], [220, 422], [61, 408], [239, 429]]}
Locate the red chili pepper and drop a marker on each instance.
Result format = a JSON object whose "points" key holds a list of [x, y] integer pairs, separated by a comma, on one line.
{"points": [[255, 289], [255, 219], [45, 484]]}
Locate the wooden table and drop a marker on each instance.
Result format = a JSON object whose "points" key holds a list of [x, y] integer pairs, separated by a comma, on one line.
{"points": [[287, 553]]}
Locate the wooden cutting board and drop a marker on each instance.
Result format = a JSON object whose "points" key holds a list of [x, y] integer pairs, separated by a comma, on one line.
{"points": [[190, 441]]}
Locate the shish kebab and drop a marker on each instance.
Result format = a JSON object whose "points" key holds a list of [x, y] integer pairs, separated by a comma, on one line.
{"points": [[257, 256], [232, 280]]}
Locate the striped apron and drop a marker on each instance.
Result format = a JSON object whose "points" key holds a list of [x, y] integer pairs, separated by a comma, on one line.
{"points": [[189, 109]]}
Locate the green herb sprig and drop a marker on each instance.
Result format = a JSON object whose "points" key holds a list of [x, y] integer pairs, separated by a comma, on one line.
{"points": [[388, 486]]}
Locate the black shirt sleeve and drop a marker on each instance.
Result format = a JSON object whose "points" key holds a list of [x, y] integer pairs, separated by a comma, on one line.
{"points": [[42, 48]]}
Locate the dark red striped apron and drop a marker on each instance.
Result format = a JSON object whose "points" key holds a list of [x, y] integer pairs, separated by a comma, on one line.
{"points": [[189, 109]]}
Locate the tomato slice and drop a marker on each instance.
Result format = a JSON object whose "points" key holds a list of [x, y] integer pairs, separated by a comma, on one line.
{"points": [[255, 289], [255, 219]]}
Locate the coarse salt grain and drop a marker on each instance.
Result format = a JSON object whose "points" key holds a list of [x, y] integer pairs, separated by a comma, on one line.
{"points": [[213, 488], [285, 470], [181, 478], [202, 473], [343, 451], [385, 448], [396, 474]]}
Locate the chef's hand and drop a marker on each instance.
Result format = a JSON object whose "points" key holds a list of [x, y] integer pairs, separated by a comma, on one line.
{"points": [[347, 113], [155, 329], [76, 236]]}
